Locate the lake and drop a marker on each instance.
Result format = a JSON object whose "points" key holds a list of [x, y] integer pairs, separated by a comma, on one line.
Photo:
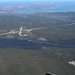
{"points": [[14, 42], [19, 43], [61, 43]]}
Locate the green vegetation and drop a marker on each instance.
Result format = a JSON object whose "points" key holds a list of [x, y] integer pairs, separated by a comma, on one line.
{"points": [[31, 62], [15, 61], [60, 26]]}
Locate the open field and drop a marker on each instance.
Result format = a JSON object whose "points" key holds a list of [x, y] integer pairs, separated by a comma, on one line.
{"points": [[32, 62]]}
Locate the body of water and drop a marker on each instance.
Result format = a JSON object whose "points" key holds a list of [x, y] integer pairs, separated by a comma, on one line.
{"points": [[57, 8], [35, 45], [62, 43], [19, 43]]}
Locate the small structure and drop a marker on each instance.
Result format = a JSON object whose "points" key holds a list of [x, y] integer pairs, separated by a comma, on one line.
{"points": [[48, 73], [10, 36], [42, 39], [72, 63]]}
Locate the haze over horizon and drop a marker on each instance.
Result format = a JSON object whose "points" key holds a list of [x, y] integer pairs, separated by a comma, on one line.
{"points": [[37, 0]]}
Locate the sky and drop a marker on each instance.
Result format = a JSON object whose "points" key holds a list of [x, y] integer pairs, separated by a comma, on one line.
{"points": [[40, 0]]}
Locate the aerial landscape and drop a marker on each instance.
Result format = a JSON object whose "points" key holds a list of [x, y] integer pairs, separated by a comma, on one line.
{"points": [[37, 37]]}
